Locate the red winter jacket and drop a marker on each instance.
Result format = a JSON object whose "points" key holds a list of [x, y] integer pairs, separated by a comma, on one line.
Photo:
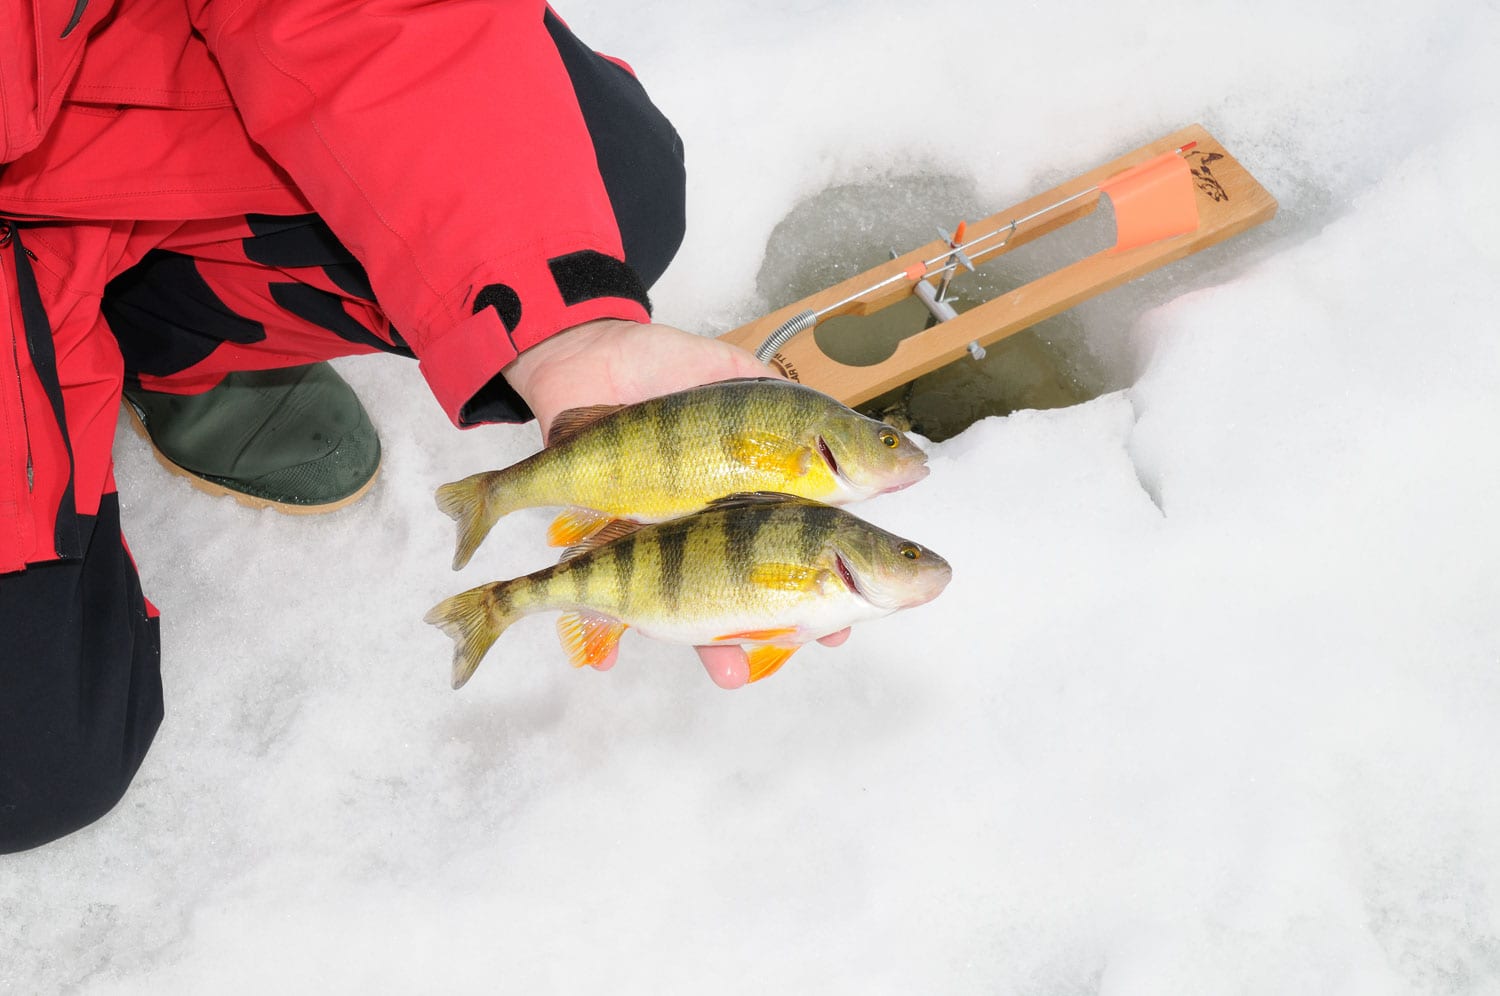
{"points": [[363, 110]]}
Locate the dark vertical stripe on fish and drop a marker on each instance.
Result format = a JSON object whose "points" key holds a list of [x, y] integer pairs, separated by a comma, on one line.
{"points": [[814, 528], [614, 436], [500, 600], [733, 405], [672, 544], [669, 443], [578, 576], [740, 533], [623, 551]]}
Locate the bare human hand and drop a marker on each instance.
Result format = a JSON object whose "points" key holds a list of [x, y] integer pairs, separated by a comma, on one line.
{"points": [[616, 362]]}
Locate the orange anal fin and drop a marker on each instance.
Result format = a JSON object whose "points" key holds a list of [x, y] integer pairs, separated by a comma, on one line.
{"points": [[588, 638], [1153, 200], [756, 635], [767, 659], [575, 525]]}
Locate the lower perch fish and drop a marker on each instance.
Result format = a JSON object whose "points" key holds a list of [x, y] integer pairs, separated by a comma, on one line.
{"points": [[769, 572]]}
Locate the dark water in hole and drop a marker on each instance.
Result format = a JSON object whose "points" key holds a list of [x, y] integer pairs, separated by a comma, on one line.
{"points": [[1021, 371], [846, 229]]}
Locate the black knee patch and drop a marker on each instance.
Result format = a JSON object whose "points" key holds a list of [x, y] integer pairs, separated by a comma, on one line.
{"points": [[318, 307], [305, 240], [167, 318]]}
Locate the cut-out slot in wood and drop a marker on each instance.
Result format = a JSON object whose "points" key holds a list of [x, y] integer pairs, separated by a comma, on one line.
{"points": [[1228, 199]]}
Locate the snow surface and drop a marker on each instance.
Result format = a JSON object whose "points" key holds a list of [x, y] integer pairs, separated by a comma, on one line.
{"points": [[1212, 704]]}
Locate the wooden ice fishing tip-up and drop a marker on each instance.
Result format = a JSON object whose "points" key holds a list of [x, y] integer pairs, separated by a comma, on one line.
{"points": [[1171, 198]]}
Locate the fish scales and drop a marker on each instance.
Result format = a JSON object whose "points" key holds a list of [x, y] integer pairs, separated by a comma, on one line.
{"points": [[671, 546], [673, 455], [762, 570], [696, 566], [740, 533], [622, 559], [692, 565], [613, 431], [668, 417], [580, 577], [687, 442]]}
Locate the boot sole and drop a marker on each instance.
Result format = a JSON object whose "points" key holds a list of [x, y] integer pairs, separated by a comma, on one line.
{"points": [[249, 501]]}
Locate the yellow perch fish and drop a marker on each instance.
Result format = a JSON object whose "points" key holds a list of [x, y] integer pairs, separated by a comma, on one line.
{"points": [[672, 455], [766, 571]]}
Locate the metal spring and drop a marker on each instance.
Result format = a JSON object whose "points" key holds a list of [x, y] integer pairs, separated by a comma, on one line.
{"points": [[799, 322]]}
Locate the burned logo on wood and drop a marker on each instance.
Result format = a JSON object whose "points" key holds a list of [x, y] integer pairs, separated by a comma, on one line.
{"points": [[785, 367], [1203, 176]]}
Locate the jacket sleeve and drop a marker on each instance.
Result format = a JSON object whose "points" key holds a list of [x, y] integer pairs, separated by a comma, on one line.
{"points": [[443, 143]]}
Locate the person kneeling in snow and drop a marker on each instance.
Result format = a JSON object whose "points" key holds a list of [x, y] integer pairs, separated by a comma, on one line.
{"points": [[200, 202]]}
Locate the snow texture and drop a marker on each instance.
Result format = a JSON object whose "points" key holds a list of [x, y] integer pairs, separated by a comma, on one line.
{"points": [[1211, 706]]}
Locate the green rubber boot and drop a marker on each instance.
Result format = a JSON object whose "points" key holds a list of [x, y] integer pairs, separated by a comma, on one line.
{"points": [[296, 440]]}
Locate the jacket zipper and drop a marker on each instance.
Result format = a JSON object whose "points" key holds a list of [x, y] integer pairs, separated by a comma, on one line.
{"points": [[7, 235]]}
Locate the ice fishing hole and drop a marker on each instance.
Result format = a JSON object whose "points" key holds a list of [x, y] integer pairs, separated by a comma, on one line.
{"points": [[847, 228]]}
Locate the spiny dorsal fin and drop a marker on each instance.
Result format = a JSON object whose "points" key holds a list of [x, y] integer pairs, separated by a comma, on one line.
{"points": [[758, 498], [756, 380], [571, 422], [608, 534]]}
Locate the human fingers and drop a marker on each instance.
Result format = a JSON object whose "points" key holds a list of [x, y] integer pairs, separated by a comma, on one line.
{"points": [[834, 639], [726, 665]]}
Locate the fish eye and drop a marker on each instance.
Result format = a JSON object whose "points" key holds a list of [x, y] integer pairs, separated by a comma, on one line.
{"points": [[911, 551], [889, 438]]}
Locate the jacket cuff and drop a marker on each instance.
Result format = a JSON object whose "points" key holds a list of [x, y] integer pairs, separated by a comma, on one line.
{"points": [[462, 365]]}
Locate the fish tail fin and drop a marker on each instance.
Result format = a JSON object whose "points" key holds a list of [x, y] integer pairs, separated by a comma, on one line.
{"points": [[474, 619], [474, 503]]}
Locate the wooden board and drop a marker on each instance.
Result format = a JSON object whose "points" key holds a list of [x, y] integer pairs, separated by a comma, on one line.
{"points": [[1229, 201]]}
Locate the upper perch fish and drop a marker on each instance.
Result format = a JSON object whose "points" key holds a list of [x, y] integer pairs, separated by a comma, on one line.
{"points": [[763, 571], [671, 455]]}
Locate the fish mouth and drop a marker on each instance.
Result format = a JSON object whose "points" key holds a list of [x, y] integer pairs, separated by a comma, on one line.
{"points": [[846, 575], [922, 471]]}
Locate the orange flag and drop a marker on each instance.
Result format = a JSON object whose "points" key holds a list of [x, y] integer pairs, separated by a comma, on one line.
{"points": [[1153, 200]]}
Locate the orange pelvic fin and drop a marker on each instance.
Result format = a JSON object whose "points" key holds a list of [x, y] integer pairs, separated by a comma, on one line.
{"points": [[589, 638], [1153, 200], [575, 525], [766, 659]]}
